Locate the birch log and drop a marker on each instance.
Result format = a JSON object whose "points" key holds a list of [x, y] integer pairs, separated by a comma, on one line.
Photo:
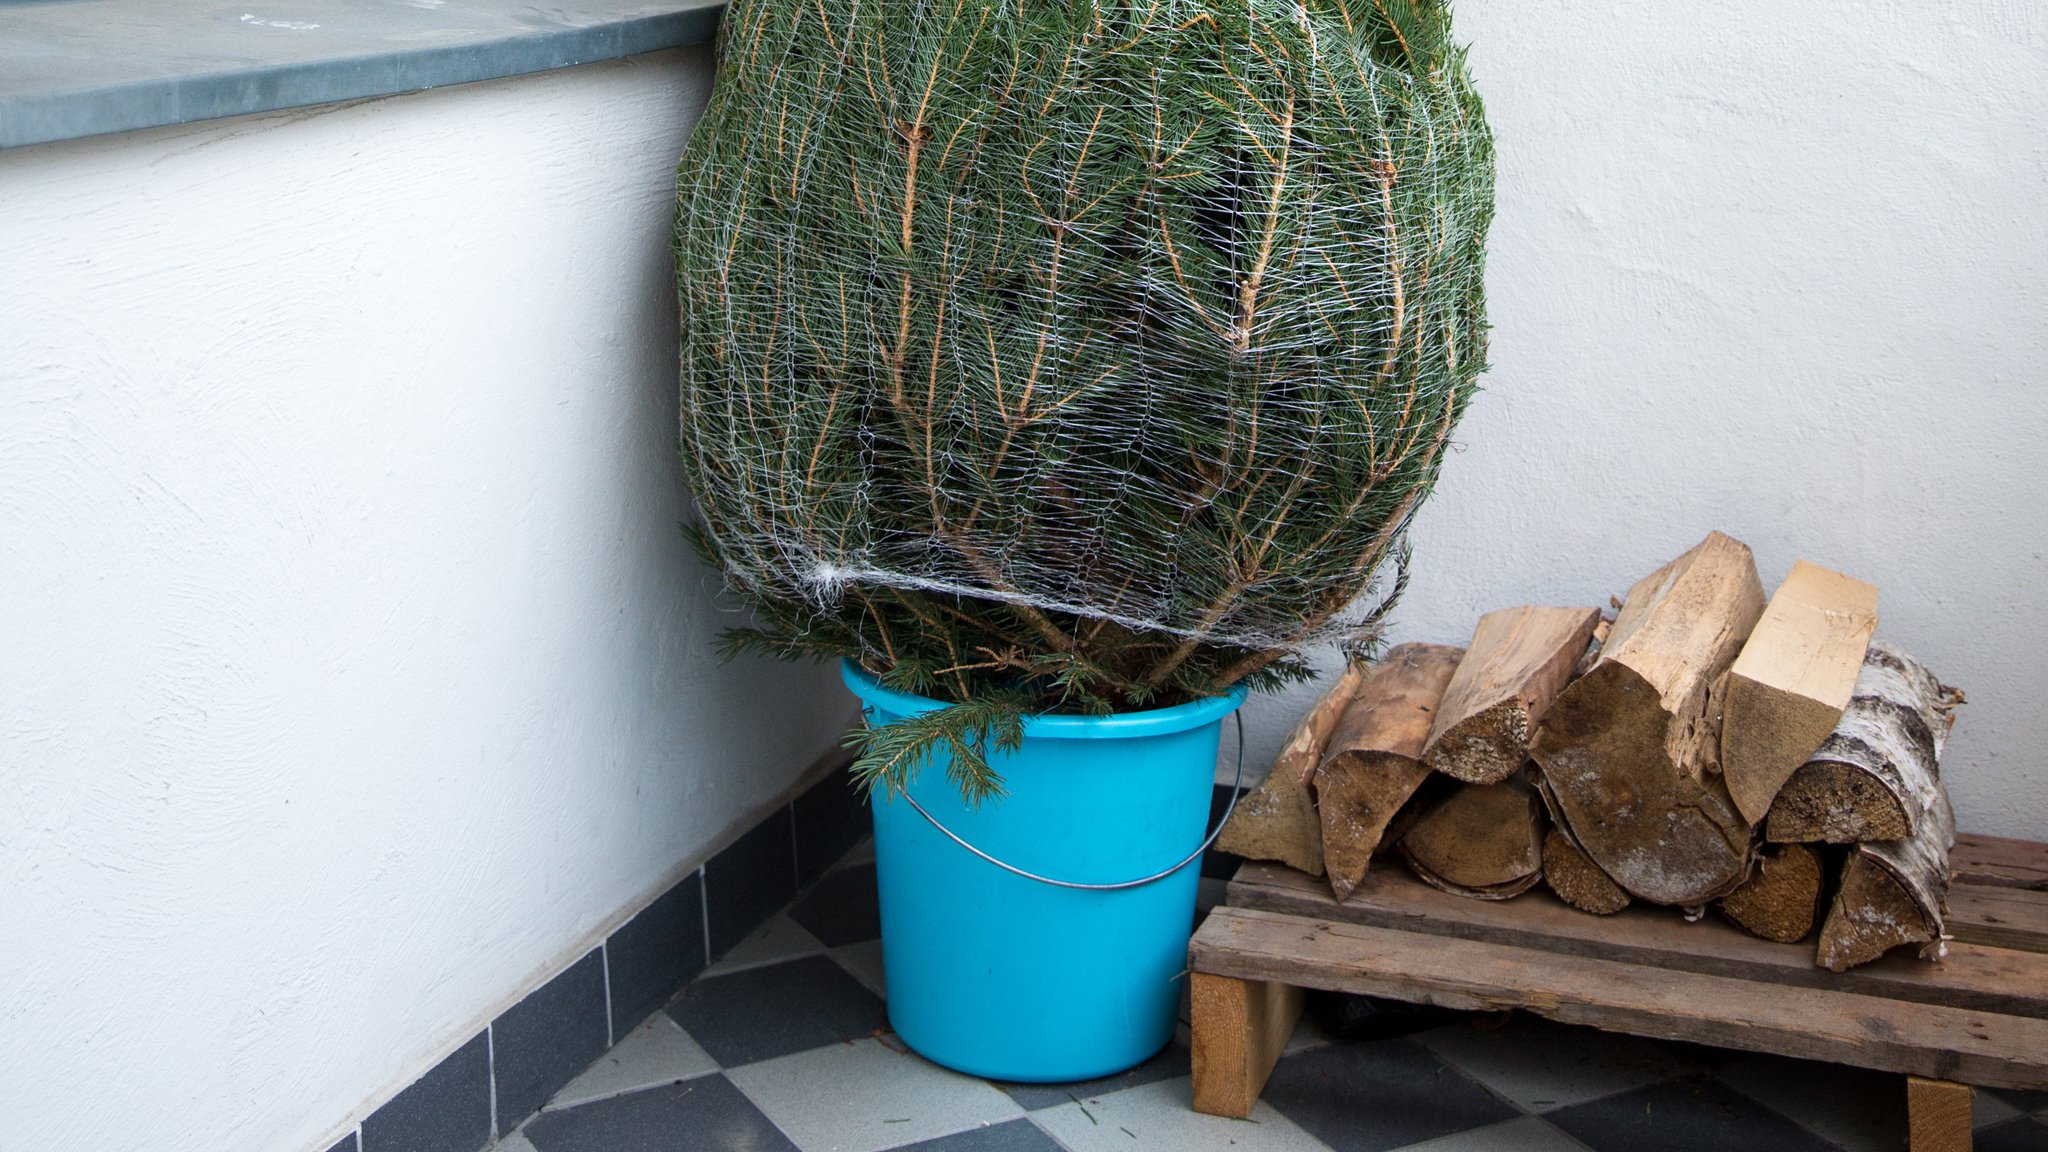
{"points": [[1794, 677], [1484, 841], [1518, 661], [1374, 760], [1893, 892], [1878, 771], [1629, 750], [1277, 821]]}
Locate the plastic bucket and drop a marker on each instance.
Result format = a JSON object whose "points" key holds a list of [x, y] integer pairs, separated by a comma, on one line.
{"points": [[1015, 979]]}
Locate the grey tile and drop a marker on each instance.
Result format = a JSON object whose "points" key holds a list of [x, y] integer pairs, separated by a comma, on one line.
{"points": [[830, 819], [1528, 1134], [345, 1144], [516, 1142], [706, 1114], [657, 1052], [752, 880], [1170, 1062], [1157, 1117], [446, 1110], [655, 953], [2020, 1098], [1854, 1108], [1375, 1095], [1689, 1116], [779, 939], [865, 1096], [1987, 1109], [762, 1013], [864, 960], [2025, 1134], [1540, 1065], [1015, 1136], [843, 908], [542, 1042]]}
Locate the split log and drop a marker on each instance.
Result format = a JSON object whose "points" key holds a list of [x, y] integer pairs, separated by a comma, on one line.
{"points": [[1794, 677], [1782, 900], [1629, 749], [1893, 892], [1877, 773], [1484, 841], [1277, 820], [1576, 879], [1519, 660], [1374, 760]]}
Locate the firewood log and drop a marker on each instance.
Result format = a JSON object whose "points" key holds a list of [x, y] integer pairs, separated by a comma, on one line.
{"points": [[1374, 760], [1484, 841], [1277, 820], [1519, 660], [1576, 880], [1781, 900], [1877, 772], [1629, 749], [1787, 689], [1893, 892]]}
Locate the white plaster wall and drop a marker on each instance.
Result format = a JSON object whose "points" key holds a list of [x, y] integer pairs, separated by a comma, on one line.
{"points": [[1778, 267], [352, 667]]}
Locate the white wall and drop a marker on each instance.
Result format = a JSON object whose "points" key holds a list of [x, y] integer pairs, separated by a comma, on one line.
{"points": [[352, 668], [1778, 267]]}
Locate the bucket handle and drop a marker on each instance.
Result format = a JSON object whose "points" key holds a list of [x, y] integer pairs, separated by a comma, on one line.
{"points": [[1190, 858]]}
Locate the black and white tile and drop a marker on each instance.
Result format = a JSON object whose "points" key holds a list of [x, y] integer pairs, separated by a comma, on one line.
{"points": [[783, 1044]]}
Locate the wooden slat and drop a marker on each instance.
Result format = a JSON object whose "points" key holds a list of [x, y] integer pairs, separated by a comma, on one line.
{"points": [[1240, 1028], [1937, 1115], [1991, 979], [2015, 918], [1806, 1023], [1999, 862]]}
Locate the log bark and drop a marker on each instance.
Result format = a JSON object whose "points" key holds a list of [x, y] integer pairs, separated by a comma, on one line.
{"points": [[1484, 841], [1374, 760], [1877, 773], [1781, 900], [1794, 677], [1277, 820], [1629, 750], [1576, 880], [1518, 661], [1893, 892]]}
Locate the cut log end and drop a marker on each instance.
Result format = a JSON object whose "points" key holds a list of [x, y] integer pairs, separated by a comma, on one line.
{"points": [[1357, 797], [1577, 880], [1486, 747], [1835, 803], [1519, 660], [1485, 840], [1277, 820], [1782, 899], [1872, 914]]}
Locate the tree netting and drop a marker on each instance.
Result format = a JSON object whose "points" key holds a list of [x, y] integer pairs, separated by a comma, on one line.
{"points": [[1121, 334]]}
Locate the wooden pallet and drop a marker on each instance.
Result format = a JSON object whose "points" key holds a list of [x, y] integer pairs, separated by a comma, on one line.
{"points": [[1978, 1018]]}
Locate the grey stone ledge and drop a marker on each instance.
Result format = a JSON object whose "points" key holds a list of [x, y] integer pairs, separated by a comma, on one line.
{"points": [[72, 68]]}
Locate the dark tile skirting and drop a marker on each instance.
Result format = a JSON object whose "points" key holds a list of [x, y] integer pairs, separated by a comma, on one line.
{"points": [[506, 1072]]}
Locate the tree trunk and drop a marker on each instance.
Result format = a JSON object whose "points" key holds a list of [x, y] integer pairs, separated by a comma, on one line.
{"points": [[1782, 899], [1374, 760], [1485, 840], [1893, 892], [1277, 820], [1520, 659], [1629, 749], [1787, 690], [1876, 775]]}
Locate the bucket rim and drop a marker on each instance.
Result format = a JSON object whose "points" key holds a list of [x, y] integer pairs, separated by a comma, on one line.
{"points": [[1121, 725]]}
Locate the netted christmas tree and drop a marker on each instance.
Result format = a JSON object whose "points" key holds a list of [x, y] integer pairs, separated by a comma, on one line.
{"points": [[1074, 355]]}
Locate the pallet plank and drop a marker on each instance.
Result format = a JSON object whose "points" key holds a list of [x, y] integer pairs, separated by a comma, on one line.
{"points": [[1887, 1035], [2000, 862], [1989, 979], [2015, 918]]}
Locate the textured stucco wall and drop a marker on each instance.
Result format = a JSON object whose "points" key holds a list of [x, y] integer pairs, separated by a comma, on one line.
{"points": [[352, 667], [1780, 269]]}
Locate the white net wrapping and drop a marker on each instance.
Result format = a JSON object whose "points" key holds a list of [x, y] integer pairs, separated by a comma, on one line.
{"points": [[1147, 314]]}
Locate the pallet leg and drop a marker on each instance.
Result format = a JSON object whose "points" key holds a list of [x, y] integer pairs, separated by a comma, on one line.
{"points": [[1938, 1115], [1240, 1028]]}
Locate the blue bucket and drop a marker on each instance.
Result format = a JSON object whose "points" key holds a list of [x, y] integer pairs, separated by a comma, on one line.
{"points": [[1012, 978]]}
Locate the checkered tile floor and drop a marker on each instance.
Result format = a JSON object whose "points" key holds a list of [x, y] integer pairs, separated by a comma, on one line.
{"points": [[784, 1045]]}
